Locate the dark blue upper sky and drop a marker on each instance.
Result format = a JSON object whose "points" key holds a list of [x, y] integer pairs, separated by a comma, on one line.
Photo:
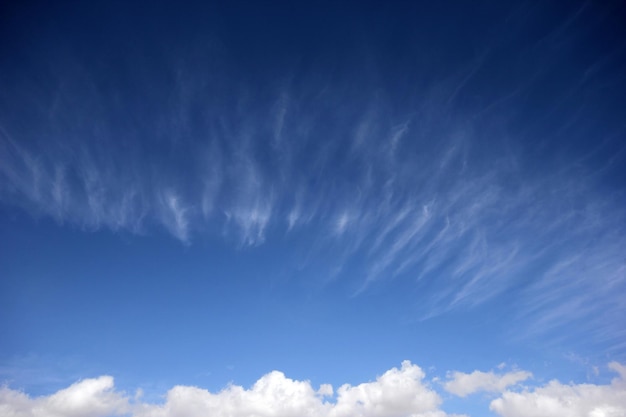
{"points": [[202, 193]]}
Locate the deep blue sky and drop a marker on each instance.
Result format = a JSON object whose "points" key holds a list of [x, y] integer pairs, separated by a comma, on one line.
{"points": [[201, 194]]}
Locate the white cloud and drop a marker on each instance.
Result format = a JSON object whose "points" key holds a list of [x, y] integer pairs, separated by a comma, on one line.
{"points": [[399, 392], [560, 400], [87, 398], [462, 384], [396, 393], [272, 395]]}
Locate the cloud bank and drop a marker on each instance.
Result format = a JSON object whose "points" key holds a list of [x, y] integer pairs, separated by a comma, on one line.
{"points": [[399, 392]]}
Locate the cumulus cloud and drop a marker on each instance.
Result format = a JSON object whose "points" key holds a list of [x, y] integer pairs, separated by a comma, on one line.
{"points": [[463, 384], [567, 400], [397, 393], [87, 398]]}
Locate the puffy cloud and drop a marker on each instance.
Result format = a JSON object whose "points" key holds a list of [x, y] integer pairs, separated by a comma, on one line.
{"points": [[87, 398], [397, 393], [272, 395], [556, 399], [463, 384]]}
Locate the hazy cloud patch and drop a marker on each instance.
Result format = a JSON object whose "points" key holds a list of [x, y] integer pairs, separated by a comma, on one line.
{"points": [[464, 384]]}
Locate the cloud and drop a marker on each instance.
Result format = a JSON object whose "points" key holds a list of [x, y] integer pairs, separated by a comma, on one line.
{"points": [[426, 192], [463, 384], [272, 395], [573, 400], [87, 398], [174, 215], [397, 393], [251, 207]]}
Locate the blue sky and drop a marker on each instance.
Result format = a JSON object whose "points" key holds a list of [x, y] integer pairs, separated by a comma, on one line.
{"points": [[235, 209]]}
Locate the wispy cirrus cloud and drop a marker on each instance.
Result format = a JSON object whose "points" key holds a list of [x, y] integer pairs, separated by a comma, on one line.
{"points": [[434, 188]]}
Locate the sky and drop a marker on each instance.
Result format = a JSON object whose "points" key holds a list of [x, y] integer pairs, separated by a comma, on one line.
{"points": [[326, 209]]}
